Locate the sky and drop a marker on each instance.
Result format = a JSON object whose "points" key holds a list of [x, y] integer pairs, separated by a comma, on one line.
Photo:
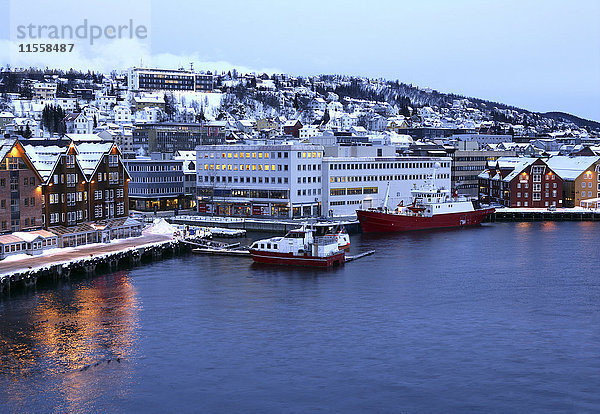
{"points": [[537, 55]]}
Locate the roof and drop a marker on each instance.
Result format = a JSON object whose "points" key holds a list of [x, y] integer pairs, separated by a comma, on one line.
{"points": [[90, 155], [569, 168], [44, 158], [116, 223], [44, 233], [80, 228], [6, 145], [9, 238], [27, 236], [83, 137]]}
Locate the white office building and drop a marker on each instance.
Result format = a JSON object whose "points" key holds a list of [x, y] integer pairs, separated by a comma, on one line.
{"points": [[273, 180], [350, 183]]}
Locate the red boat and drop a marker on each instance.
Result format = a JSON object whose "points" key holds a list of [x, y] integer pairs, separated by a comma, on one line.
{"points": [[300, 247], [431, 208]]}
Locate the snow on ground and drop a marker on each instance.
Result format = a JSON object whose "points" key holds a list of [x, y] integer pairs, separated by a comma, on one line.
{"points": [[210, 100], [160, 226]]}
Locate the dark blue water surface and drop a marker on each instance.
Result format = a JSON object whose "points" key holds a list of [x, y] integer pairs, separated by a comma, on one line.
{"points": [[502, 318]]}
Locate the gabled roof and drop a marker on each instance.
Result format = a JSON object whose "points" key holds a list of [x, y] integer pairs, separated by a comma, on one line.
{"points": [[519, 166], [90, 155], [6, 145], [44, 158], [569, 168]]}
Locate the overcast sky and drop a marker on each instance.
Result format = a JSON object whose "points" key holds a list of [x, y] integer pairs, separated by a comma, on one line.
{"points": [[538, 55]]}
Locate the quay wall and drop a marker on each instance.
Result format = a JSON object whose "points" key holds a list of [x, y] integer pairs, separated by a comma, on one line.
{"points": [[89, 266], [520, 215], [252, 225]]}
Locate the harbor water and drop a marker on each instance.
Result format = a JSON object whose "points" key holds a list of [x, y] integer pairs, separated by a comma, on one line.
{"points": [[499, 318]]}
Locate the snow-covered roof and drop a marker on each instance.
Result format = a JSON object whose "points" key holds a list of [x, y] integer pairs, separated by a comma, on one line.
{"points": [[90, 155], [569, 168], [84, 137], [44, 158], [519, 166], [6, 145]]}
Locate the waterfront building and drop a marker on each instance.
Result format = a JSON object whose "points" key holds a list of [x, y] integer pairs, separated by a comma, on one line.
{"points": [[468, 161], [354, 182], [581, 177], [156, 182], [80, 183], [521, 182], [274, 180], [31, 242], [188, 160], [20, 191]]}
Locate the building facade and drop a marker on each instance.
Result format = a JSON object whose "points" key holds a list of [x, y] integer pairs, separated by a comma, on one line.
{"points": [[20, 191], [156, 182], [260, 180], [521, 182], [351, 183], [171, 137], [144, 79]]}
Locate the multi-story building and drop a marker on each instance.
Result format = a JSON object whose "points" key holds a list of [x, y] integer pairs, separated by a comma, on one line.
{"points": [[44, 90], [521, 182], [171, 136], [581, 177], [156, 182], [468, 161], [204, 82], [141, 79], [354, 182], [20, 191], [107, 180], [141, 103], [85, 182], [260, 180], [188, 160]]}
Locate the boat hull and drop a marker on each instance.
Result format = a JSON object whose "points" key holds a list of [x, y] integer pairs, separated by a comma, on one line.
{"points": [[289, 259], [380, 222]]}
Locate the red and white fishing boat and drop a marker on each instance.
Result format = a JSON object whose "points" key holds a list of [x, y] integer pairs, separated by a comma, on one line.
{"points": [[300, 247], [431, 208]]}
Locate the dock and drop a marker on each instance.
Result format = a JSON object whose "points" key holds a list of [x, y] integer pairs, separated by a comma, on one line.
{"points": [[279, 226], [88, 260], [359, 256], [540, 214]]}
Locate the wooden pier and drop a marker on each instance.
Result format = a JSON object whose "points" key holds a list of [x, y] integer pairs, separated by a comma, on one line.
{"points": [[88, 260]]}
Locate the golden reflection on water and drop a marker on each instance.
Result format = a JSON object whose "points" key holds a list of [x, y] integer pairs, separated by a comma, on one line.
{"points": [[71, 335]]}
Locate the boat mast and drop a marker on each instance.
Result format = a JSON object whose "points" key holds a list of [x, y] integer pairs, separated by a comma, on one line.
{"points": [[387, 196]]}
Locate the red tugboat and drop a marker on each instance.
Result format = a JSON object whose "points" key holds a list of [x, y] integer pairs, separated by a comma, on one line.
{"points": [[300, 247], [431, 208]]}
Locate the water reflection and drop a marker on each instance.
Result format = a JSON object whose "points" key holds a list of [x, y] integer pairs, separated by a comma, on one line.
{"points": [[71, 334]]}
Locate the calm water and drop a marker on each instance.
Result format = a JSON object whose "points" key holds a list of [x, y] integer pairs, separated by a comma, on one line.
{"points": [[502, 318]]}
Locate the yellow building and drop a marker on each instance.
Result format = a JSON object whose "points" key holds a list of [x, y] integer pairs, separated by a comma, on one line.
{"points": [[580, 175]]}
